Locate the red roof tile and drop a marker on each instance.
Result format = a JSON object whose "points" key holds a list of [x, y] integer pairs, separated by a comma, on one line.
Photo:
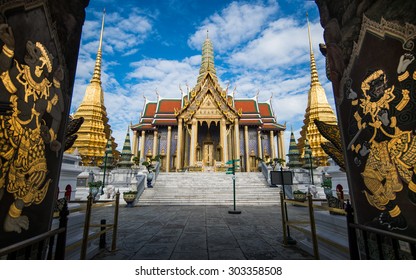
{"points": [[149, 110], [168, 105], [247, 106], [265, 110]]}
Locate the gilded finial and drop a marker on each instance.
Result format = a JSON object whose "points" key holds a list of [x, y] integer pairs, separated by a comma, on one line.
{"points": [[314, 72], [96, 77]]}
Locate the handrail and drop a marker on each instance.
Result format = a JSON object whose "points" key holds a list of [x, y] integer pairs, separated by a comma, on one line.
{"points": [[309, 203], [49, 236], [383, 232], [87, 225], [29, 242]]}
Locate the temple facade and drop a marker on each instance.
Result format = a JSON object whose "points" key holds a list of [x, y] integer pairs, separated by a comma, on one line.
{"points": [[206, 126], [95, 131], [317, 108]]}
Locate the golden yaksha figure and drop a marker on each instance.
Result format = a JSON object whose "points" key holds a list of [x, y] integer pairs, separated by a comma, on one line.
{"points": [[23, 135], [386, 143]]}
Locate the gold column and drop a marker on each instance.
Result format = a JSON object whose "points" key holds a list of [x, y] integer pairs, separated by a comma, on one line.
{"points": [[142, 145], [236, 140], [280, 139], [272, 148], [168, 148], [186, 148], [194, 134], [179, 145], [230, 144], [223, 139], [259, 151], [135, 142], [246, 148], [154, 143]]}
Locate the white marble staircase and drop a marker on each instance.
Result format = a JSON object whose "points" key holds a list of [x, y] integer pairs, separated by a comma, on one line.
{"points": [[210, 188]]}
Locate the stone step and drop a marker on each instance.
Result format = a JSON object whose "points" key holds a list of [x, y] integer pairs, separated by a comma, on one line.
{"points": [[199, 188]]}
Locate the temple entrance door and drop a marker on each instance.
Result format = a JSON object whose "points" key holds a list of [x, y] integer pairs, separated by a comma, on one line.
{"points": [[208, 149]]}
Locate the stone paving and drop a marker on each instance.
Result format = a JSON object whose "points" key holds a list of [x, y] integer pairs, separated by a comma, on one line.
{"points": [[198, 233]]}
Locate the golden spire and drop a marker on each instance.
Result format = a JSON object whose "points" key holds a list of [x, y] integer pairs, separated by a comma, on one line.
{"points": [[314, 72], [95, 132], [207, 60], [96, 77], [317, 108]]}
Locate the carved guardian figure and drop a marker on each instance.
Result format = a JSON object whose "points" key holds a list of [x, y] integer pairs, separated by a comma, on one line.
{"points": [[24, 135]]}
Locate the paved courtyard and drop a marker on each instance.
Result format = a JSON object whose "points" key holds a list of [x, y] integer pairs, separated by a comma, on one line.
{"points": [[198, 233]]}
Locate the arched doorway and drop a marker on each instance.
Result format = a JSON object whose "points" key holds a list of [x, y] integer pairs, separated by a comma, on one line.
{"points": [[208, 140]]}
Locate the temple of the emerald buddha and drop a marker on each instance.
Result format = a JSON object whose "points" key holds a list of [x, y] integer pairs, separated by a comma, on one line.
{"points": [[205, 127]]}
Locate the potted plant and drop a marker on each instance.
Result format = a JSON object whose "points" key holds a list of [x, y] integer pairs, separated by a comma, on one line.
{"points": [[299, 195], [150, 168], [95, 189], [327, 185], [130, 198]]}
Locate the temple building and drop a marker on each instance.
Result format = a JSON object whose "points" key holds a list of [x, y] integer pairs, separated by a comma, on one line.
{"points": [[205, 127], [95, 131], [317, 108]]}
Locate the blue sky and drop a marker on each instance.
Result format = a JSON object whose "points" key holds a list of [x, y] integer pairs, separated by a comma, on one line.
{"points": [[259, 46]]}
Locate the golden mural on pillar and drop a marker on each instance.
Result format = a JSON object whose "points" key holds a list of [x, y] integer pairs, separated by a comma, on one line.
{"points": [[24, 132]]}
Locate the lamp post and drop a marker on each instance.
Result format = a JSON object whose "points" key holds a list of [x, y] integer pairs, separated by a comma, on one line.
{"points": [[308, 152], [105, 167]]}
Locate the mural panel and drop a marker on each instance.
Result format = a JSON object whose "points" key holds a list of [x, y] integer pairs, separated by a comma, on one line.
{"points": [[37, 69], [377, 111]]}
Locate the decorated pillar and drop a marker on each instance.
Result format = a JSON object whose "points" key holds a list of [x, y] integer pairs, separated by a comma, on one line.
{"points": [[142, 145], [230, 143], [194, 134], [259, 151], [168, 155], [236, 140], [135, 143], [246, 148], [179, 145], [371, 63], [272, 145], [223, 136], [155, 141], [32, 139]]}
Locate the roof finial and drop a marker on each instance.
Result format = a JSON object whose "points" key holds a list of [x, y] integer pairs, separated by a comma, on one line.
{"points": [[207, 34], [314, 72], [96, 77], [309, 34]]}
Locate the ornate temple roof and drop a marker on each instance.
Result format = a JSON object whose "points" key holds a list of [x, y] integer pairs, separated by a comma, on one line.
{"points": [[208, 94], [317, 108], [95, 131]]}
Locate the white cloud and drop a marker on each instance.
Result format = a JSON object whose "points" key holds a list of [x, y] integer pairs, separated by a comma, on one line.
{"points": [[283, 43], [236, 24], [256, 53], [163, 75], [123, 33]]}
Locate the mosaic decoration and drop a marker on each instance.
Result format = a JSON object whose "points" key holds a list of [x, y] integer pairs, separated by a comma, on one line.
{"points": [[148, 146], [252, 140], [378, 118]]}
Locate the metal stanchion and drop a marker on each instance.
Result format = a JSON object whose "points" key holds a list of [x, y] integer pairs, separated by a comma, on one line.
{"points": [[114, 241], [282, 206], [313, 227], [86, 228]]}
